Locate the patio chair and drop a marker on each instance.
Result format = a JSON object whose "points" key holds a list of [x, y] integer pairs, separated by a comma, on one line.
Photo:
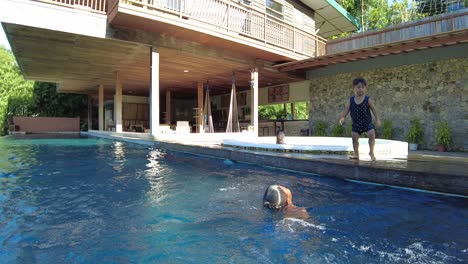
{"points": [[183, 127]]}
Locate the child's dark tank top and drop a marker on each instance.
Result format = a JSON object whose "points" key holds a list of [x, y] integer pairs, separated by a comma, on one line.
{"points": [[360, 113]]}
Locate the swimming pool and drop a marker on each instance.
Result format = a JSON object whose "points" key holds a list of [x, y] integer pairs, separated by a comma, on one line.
{"points": [[95, 201]]}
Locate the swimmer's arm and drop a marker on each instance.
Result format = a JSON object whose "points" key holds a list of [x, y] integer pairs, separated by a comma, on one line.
{"points": [[375, 112], [344, 113]]}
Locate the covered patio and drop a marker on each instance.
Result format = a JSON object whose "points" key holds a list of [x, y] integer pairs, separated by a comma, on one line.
{"points": [[139, 87]]}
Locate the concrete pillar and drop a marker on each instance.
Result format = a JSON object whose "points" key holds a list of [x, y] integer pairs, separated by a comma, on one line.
{"points": [[154, 92], [254, 99], [90, 112], [200, 107], [168, 107], [101, 108], [118, 103]]}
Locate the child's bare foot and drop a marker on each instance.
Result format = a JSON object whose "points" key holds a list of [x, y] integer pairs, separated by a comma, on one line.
{"points": [[372, 156], [354, 157]]}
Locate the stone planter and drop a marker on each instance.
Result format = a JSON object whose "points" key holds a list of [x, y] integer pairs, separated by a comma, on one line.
{"points": [[441, 148]]}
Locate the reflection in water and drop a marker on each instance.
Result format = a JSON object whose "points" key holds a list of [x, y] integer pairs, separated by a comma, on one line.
{"points": [[119, 155], [155, 175]]}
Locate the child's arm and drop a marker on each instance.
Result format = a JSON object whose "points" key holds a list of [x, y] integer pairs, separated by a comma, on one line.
{"points": [[345, 113], [375, 112]]}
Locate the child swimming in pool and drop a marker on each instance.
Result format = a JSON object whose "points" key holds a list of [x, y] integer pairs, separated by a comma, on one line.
{"points": [[279, 198]]}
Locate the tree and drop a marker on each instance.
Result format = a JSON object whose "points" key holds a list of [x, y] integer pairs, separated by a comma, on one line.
{"points": [[47, 102], [15, 92], [28, 98]]}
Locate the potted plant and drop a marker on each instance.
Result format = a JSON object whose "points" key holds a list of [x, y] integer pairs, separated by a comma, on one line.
{"points": [[443, 136], [415, 134], [320, 129]]}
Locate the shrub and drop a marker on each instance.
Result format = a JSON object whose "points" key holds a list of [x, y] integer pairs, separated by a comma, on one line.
{"points": [[443, 134], [415, 134], [320, 129], [338, 130], [349, 130], [387, 129]]}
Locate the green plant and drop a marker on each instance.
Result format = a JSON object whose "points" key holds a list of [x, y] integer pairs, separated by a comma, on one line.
{"points": [[349, 130], [415, 134], [387, 129], [338, 131], [320, 129], [443, 134]]}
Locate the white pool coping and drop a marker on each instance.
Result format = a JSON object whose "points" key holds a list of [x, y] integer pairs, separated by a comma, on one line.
{"points": [[383, 148]]}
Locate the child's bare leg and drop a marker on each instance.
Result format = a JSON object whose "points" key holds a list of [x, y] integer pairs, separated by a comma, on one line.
{"points": [[371, 134], [355, 145]]}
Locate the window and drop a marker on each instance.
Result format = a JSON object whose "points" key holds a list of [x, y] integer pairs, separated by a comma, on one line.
{"points": [[274, 8], [298, 17]]}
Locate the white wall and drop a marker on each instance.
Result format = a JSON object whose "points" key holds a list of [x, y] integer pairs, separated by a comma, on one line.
{"points": [[53, 17]]}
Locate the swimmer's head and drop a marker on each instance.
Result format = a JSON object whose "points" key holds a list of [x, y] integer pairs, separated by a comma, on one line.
{"points": [[274, 197]]}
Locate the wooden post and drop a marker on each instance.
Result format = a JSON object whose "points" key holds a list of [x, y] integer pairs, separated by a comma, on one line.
{"points": [[101, 107], [118, 103], [199, 112], [154, 92], [168, 107], [254, 100], [293, 111]]}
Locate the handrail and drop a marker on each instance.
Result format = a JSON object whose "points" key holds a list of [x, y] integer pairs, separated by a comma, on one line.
{"points": [[95, 6], [235, 18]]}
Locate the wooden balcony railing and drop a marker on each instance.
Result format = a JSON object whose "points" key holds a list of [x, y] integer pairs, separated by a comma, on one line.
{"points": [[231, 17], [95, 6], [223, 16]]}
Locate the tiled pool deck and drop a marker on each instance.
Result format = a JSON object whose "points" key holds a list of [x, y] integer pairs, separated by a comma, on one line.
{"points": [[444, 172]]}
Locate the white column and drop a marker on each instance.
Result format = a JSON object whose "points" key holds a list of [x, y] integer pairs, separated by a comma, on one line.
{"points": [[101, 107], [154, 92], [254, 100], [90, 114], [118, 103], [200, 107]]}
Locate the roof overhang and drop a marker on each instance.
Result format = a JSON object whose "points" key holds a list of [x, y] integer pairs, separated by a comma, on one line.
{"points": [[331, 18], [434, 41]]}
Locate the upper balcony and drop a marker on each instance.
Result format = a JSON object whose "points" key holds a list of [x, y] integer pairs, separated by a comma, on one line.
{"points": [[219, 23]]}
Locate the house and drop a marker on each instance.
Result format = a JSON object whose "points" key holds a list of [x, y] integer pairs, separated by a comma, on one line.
{"points": [[148, 62]]}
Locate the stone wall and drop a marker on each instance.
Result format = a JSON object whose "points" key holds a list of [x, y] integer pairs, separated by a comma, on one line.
{"points": [[430, 91]]}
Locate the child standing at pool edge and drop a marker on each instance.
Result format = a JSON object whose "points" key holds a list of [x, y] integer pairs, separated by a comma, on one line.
{"points": [[360, 106]]}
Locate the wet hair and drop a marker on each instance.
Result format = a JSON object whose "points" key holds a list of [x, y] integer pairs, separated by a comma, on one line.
{"points": [[359, 80], [280, 137], [274, 197]]}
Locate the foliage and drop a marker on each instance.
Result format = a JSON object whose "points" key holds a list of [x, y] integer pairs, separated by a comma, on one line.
{"points": [[338, 130], [349, 130], [387, 129], [377, 14], [271, 112], [320, 129], [415, 134], [277, 111], [301, 110], [443, 134], [47, 102], [15, 92], [28, 98]]}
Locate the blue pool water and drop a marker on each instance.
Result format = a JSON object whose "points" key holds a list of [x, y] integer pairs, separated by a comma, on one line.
{"points": [[100, 201]]}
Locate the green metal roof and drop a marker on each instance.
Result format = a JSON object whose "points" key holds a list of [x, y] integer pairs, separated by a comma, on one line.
{"points": [[331, 18]]}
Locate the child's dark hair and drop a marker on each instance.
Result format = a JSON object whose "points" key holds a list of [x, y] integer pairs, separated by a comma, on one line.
{"points": [[359, 80]]}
